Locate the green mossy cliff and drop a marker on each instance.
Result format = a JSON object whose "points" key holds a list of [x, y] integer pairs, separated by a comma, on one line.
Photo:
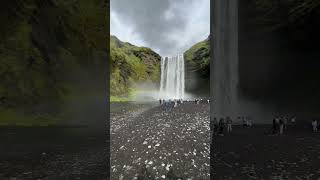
{"points": [[197, 61], [51, 50], [131, 65]]}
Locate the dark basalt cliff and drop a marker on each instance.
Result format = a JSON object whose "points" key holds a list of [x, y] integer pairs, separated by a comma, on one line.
{"points": [[279, 55]]}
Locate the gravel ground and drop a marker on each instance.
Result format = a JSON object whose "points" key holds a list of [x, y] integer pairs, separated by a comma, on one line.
{"points": [[146, 140], [252, 153], [52, 153]]}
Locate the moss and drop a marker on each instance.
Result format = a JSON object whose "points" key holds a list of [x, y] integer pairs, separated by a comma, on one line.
{"points": [[130, 65], [48, 51], [198, 59]]}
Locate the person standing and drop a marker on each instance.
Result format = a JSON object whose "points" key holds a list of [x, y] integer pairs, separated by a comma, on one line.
{"points": [[285, 122], [221, 126], [274, 126], [293, 119], [243, 121], [229, 124], [165, 104], [314, 125], [215, 126], [281, 124], [239, 119], [277, 124], [247, 121]]}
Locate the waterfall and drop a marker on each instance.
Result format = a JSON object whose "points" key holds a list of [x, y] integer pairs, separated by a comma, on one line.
{"points": [[172, 77], [224, 76]]}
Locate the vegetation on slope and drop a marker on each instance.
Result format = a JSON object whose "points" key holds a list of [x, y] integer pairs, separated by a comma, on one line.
{"points": [[197, 60], [50, 50], [131, 65]]}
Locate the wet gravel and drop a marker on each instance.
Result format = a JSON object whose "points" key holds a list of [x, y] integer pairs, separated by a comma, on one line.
{"points": [[251, 153], [53, 153]]}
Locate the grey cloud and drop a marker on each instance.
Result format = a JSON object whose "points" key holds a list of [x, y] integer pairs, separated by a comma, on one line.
{"points": [[155, 20]]}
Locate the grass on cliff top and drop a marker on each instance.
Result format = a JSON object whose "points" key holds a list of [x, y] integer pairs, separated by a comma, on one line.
{"points": [[189, 54]]}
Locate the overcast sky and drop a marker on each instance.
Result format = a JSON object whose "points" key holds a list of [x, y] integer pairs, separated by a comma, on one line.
{"points": [[167, 26]]}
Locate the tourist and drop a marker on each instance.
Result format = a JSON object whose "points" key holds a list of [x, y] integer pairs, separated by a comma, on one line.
{"points": [[314, 125], [170, 105], [215, 126], [160, 101], [165, 104], [281, 124], [277, 124], [221, 126], [244, 121], [229, 124], [285, 122], [239, 119], [247, 121], [274, 125], [293, 119], [212, 124]]}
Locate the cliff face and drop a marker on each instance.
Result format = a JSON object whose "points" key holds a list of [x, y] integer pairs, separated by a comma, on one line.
{"points": [[51, 49], [197, 60], [131, 65], [278, 52]]}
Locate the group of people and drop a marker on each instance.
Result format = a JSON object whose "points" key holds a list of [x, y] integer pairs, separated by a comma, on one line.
{"points": [[225, 124], [279, 124], [197, 101], [219, 127], [169, 104], [246, 121]]}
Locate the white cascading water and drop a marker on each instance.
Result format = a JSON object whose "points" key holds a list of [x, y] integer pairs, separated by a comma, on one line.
{"points": [[224, 76], [172, 77]]}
